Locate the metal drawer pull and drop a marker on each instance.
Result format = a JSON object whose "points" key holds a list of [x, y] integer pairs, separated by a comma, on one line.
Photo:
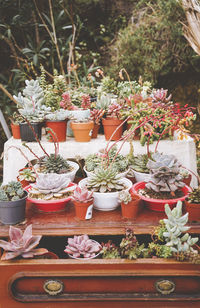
{"points": [[165, 286], [53, 287]]}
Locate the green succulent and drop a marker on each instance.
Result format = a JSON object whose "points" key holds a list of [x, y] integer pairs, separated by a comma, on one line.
{"points": [[125, 197], [54, 164], [12, 191], [139, 163], [194, 196], [161, 251], [105, 180]]}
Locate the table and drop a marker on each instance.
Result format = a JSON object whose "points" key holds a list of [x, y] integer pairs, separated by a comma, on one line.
{"points": [[184, 150]]}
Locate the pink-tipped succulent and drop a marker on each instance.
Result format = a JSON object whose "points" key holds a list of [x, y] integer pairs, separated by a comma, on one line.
{"points": [[81, 246], [86, 102], [21, 244], [160, 95], [96, 115], [114, 110], [82, 195]]}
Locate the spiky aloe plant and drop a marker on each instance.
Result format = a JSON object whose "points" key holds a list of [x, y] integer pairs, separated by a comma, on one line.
{"points": [[21, 244], [82, 246], [105, 180], [50, 186], [165, 173]]}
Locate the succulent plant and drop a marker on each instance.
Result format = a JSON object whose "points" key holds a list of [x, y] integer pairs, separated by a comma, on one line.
{"points": [[114, 110], [194, 196], [125, 196], [139, 163], [54, 164], [58, 115], [110, 251], [105, 180], [21, 244], [82, 246], [82, 195], [50, 186], [130, 248], [12, 191], [27, 174], [176, 237], [160, 95], [104, 101], [165, 173], [96, 115]]}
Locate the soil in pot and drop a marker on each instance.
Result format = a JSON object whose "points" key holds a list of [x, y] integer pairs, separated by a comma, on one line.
{"points": [[110, 125], [59, 128], [15, 131], [82, 131]]}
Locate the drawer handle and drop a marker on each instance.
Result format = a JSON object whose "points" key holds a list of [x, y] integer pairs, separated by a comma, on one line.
{"points": [[165, 286], [53, 287]]}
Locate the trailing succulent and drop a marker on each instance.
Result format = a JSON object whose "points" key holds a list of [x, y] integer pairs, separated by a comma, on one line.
{"points": [[120, 162], [105, 180], [82, 246], [82, 195], [12, 191], [54, 164], [21, 244], [165, 173], [50, 186]]}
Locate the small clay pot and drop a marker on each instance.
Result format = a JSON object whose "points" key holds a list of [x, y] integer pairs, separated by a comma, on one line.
{"points": [[131, 209], [82, 131], [193, 210], [15, 131], [83, 210], [110, 125], [59, 128]]}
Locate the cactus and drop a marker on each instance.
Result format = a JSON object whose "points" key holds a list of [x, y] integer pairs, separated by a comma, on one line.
{"points": [[12, 191], [50, 186], [125, 196], [105, 180], [165, 173], [82, 246], [54, 164], [82, 195], [21, 244], [175, 236]]}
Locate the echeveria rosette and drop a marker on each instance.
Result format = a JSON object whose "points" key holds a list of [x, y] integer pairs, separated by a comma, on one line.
{"points": [[82, 246], [21, 244], [82, 195]]}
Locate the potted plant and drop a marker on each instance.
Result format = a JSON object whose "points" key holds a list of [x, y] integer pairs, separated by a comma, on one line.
{"points": [[15, 120], [129, 204], [82, 129], [112, 124], [31, 108], [165, 184], [50, 192], [57, 122], [138, 166], [96, 116], [12, 203], [186, 176], [26, 176], [192, 204], [83, 202], [119, 162], [105, 184], [82, 247]]}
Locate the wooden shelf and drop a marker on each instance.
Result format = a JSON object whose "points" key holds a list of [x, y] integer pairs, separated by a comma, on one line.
{"points": [[102, 223]]}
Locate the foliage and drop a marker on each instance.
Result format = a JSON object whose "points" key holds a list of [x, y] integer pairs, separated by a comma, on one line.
{"points": [[27, 174], [82, 246], [194, 196], [12, 191], [155, 27], [21, 244], [58, 115], [125, 196], [54, 164], [139, 163], [82, 195]]}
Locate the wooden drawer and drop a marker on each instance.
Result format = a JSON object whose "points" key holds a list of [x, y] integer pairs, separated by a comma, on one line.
{"points": [[144, 282]]}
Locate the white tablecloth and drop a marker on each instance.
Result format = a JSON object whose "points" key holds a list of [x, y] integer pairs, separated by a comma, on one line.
{"points": [[184, 150]]}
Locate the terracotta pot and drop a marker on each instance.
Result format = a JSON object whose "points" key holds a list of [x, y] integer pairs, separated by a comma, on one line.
{"points": [[15, 131], [95, 130], [131, 209], [83, 210], [110, 125], [158, 204], [82, 131], [59, 128], [187, 180], [193, 210]]}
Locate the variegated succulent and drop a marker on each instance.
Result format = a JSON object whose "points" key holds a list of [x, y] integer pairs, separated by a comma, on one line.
{"points": [[82, 195], [50, 186], [82, 246], [21, 244], [165, 173], [105, 180]]}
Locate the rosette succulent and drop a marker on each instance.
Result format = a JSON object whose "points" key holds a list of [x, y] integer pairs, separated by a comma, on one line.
{"points": [[125, 196], [82, 195], [50, 186], [82, 246], [54, 164], [12, 191], [21, 244], [165, 173]]}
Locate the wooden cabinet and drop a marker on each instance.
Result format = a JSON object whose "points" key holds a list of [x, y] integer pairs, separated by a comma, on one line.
{"points": [[96, 283]]}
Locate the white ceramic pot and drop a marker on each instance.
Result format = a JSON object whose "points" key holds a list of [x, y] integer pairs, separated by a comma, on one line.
{"points": [[90, 173], [106, 201], [77, 115], [141, 177]]}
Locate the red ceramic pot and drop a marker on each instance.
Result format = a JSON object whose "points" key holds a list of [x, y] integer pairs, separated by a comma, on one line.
{"points": [[83, 209], [158, 204], [15, 131], [110, 125], [59, 128], [193, 210]]}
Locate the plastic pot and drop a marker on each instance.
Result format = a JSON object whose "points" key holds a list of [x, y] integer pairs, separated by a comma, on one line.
{"points": [[13, 212], [59, 128], [131, 209], [82, 131], [15, 131], [158, 204], [83, 210], [27, 133], [110, 125], [193, 210]]}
